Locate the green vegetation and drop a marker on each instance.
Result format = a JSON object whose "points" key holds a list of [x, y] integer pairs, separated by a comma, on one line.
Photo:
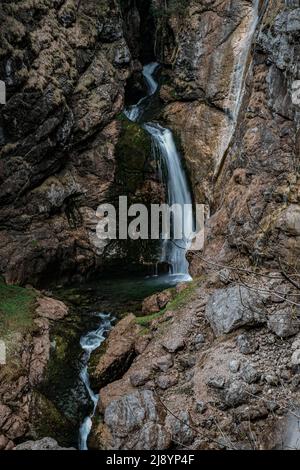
{"points": [[133, 150], [177, 302], [16, 308]]}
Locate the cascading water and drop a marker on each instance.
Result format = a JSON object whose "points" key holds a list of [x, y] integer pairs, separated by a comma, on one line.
{"points": [[173, 252], [89, 342], [174, 178]]}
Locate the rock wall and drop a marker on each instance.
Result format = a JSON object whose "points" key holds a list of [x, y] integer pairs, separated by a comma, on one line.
{"points": [[65, 65]]}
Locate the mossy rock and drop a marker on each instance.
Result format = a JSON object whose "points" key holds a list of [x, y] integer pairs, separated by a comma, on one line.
{"points": [[47, 420], [17, 305], [133, 152]]}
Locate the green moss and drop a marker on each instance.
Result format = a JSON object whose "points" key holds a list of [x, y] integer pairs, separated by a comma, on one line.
{"points": [[49, 421], [132, 151], [16, 308]]}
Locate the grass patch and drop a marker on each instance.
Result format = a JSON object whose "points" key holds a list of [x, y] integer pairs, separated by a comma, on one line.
{"points": [[16, 308], [177, 302]]}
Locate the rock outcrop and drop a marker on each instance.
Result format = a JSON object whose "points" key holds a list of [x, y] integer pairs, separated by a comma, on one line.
{"points": [[28, 352]]}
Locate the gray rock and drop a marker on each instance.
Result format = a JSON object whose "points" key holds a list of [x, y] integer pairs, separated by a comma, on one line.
{"points": [[296, 358], [180, 428], [201, 407], [246, 344], [47, 443], [199, 339], [250, 374], [236, 394], [165, 381], [234, 307], [284, 323], [234, 366], [271, 379], [128, 413], [140, 377], [216, 382], [164, 362], [173, 344]]}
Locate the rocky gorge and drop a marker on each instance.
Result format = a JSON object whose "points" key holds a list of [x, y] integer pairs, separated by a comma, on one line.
{"points": [[209, 364]]}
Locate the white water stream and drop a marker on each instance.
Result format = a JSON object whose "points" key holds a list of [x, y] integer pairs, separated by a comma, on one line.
{"points": [[89, 342]]}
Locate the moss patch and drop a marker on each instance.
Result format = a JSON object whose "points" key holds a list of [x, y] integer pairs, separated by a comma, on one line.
{"points": [[16, 308], [178, 301], [133, 150]]}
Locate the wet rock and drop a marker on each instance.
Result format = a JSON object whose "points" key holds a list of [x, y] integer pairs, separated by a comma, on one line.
{"points": [[47, 443], [232, 308], [284, 323], [119, 353], [246, 344]]}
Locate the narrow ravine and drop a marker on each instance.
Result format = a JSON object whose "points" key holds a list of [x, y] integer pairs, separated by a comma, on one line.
{"points": [[89, 342]]}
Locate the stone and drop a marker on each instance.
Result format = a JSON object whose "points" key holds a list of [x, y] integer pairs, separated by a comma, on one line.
{"points": [[180, 427], [118, 355], [295, 360], [174, 343], [246, 344], [199, 339], [284, 323], [47, 443], [140, 377], [234, 366], [233, 307], [216, 382], [201, 407], [51, 308], [156, 302], [236, 394], [164, 362], [250, 374], [271, 379], [165, 381]]}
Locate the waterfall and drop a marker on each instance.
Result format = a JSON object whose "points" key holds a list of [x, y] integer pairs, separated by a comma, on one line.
{"points": [[237, 86], [173, 251], [89, 342], [174, 178]]}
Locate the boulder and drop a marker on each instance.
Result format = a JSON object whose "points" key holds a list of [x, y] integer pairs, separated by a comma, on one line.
{"points": [[47, 443], [51, 308], [156, 302], [107, 366], [233, 307], [284, 323]]}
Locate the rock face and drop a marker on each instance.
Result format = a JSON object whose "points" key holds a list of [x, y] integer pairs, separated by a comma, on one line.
{"points": [[27, 358], [231, 308]]}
